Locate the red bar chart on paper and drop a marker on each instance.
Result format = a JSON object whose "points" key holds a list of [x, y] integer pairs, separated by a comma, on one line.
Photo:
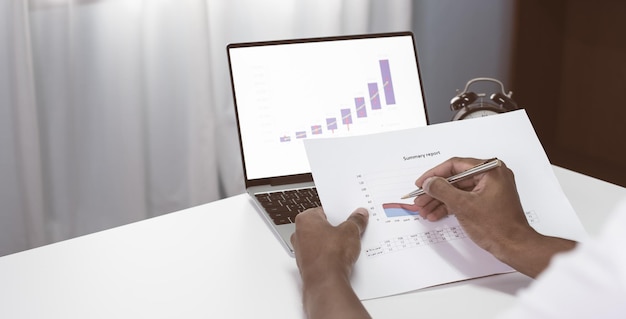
{"points": [[398, 210], [384, 187]]}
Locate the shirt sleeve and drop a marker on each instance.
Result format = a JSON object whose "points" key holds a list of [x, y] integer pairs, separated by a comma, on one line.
{"points": [[588, 282]]}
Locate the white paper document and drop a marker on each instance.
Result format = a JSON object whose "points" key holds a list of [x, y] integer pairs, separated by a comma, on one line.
{"points": [[401, 251]]}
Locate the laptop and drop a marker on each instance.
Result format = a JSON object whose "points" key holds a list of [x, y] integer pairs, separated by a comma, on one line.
{"points": [[291, 90]]}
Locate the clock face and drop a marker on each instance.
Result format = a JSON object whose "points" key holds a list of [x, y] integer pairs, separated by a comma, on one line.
{"points": [[479, 113], [477, 110]]}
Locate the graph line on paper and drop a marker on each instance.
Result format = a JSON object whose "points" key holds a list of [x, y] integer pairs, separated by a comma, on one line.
{"points": [[398, 210], [382, 190]]}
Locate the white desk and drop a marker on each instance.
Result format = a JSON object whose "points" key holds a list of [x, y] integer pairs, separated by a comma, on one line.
{"points": [[219, 260]]}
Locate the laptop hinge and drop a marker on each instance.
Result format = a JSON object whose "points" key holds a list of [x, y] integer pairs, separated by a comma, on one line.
{"points": [[292, 179]]}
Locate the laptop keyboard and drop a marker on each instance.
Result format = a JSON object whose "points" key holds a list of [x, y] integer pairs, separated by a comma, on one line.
{"points": [[283, 206]]}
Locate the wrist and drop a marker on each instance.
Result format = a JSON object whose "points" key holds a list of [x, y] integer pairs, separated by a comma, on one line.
{"points": [[510, 247], [329, 295], [315, 285], [322, 272], [530, 252]]}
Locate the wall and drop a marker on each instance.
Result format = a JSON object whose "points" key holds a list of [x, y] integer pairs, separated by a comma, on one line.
{"points": [[569, 69], [458, 41]]}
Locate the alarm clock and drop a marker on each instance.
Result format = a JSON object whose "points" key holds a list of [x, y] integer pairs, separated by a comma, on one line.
{"points": [[469, 105]]}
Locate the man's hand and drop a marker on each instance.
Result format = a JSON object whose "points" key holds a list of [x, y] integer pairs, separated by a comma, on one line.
{"points": [[489, 209], [325, 256]]}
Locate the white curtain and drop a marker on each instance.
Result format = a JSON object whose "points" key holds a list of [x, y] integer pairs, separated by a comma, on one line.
{"points": [[113, 111]]}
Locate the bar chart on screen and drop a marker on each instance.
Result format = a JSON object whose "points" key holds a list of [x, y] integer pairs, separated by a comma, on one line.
{"points": [[376, 97], [318, 90]]}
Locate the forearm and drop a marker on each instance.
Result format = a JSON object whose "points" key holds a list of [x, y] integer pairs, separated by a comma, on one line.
{"points": [[331, 297], [532, 255]]}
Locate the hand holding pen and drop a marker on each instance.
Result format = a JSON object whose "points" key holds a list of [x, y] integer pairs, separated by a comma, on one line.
{"points": [[478, 169], [487, 194], [489, 210], [471, 179]]}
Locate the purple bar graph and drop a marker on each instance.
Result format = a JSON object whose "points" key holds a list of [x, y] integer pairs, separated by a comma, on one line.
{"points": [[331, 124], [359, 103], [346, 117], [316, 129], [375, 91], [374, 96], [387, 83]]}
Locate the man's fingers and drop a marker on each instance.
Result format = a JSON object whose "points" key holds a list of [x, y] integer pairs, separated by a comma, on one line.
{"points": [[450, 167], [315, 216], [311, 215], [359, 217], [315, 213], [441, 190]]}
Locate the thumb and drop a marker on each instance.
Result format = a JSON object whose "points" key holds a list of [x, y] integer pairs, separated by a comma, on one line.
{"points": [[359, 217], [440, 189]]}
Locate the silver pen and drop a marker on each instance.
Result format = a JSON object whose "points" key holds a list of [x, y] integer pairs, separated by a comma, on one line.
{"points": [[481, 168]]}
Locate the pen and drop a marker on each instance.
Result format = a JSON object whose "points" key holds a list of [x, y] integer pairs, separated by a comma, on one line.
{"points": [[481, 168]]}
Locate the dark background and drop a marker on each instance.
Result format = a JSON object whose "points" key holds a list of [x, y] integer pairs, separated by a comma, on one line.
{"points": [[569, 73]]}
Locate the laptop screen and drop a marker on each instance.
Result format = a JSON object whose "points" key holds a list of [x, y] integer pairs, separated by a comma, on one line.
{"points": [[288, 91]]}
